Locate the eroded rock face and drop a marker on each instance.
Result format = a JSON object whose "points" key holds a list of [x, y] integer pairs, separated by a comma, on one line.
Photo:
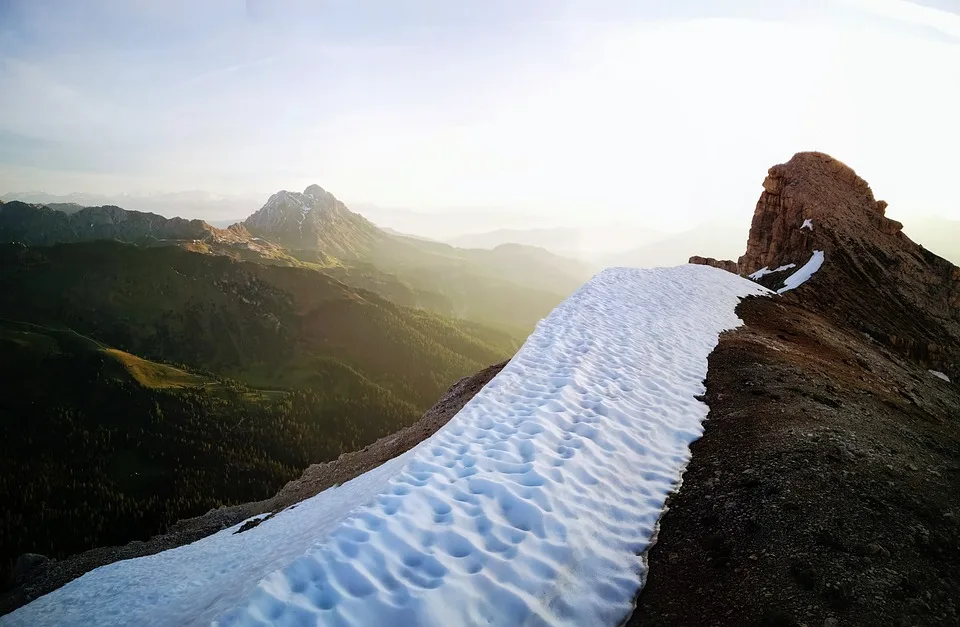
{"points": [[874, 277], [723, 264], [817, 190]]}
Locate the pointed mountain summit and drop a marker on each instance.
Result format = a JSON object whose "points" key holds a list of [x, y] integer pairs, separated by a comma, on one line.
{"points": [[313, 220]]}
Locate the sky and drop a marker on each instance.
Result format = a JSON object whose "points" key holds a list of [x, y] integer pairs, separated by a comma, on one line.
{"points": [[583, 112]]}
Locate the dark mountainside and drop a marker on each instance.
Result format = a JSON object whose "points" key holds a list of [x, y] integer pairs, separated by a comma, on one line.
{"points": [[35, 576], [266, 326], [41, 226], [841, 504], [45, 225], [142, 385]]}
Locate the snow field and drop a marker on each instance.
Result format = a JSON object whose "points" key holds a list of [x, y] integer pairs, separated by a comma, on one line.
{"points": [[534, 504], [802, 275], [762, 272]]}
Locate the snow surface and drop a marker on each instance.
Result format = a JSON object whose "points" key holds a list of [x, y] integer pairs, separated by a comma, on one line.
{"points": [[802, 275], [533, 505], [807, 224], [940, 375], [762, 272], [192, 584]]}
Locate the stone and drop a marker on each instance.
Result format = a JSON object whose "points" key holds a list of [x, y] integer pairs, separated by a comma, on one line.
{"points": [[26, 565], [723, 264]]}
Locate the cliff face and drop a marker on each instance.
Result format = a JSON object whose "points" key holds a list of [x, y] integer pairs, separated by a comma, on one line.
{"points": [[874, 277]]}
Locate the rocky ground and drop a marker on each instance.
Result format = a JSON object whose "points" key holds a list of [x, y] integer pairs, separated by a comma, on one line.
{"points": [[825, 491], [35, 576]]}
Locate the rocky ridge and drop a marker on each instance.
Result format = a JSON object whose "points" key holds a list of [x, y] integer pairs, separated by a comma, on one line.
{"points": [[42, 225], [874, 278], [840, 505]]}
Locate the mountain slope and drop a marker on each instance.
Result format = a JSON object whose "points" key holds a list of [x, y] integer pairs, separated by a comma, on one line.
{"points": [[266, 325], [99, 446], [509, 287]]}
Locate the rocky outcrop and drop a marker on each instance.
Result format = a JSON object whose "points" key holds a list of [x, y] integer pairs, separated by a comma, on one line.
{"points": [[873, 276], [723, 264], [806, 202]]}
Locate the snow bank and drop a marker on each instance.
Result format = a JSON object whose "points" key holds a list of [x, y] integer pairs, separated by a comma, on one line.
{"points": [[533, 505], [762, 272], [802, 275]]}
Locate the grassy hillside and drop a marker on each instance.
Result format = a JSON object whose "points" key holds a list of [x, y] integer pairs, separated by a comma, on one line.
{"points": [[267, 326], [99, 446]]}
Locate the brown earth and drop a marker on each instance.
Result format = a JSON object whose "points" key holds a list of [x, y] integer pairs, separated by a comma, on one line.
{"points": [[35, 577], [826, 488]]}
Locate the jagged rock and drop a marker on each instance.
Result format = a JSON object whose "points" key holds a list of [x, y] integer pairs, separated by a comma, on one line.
{"points": [[723, 264], [873, 275]]}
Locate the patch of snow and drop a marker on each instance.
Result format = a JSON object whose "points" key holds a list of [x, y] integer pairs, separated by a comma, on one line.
{"points": [[940, 375], [802, 275], [762, 272], [807, 224], [534, 505]]}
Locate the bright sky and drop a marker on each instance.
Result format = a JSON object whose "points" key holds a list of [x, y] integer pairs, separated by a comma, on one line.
{"points": [[652, 112]]}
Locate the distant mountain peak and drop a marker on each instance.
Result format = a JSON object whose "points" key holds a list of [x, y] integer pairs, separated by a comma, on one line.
{"points": [[317, 192], [312, 220]]}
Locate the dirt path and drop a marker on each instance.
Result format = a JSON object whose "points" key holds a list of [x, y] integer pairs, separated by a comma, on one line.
{"points": [[825, 491]]}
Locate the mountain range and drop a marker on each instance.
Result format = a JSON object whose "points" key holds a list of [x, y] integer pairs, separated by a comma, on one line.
{"points": [[630, 246], [823, 489], [511, 287], [305, 316]]}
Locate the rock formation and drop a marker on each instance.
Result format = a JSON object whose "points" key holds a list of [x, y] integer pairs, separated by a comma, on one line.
{"points": [[874, 277], [723, 264]]}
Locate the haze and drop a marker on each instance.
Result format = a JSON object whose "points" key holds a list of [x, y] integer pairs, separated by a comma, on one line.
{"points": [[577, 113]]}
